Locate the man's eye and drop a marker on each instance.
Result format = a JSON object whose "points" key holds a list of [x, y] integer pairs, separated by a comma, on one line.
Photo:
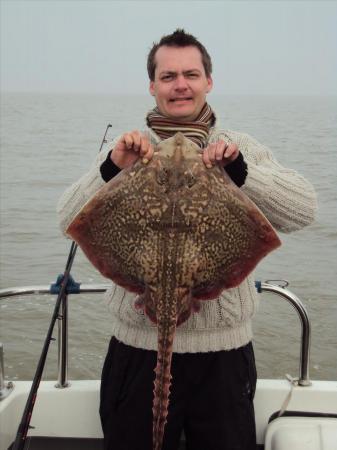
{"points": [[166, 77], [192, 75]]}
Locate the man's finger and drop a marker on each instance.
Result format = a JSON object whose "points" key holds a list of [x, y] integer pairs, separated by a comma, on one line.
{"points": [[136, 137], [220, 150], [206, 159], [148, 155], [144, 145], [128, 140], [211, 152], [232, 151]]}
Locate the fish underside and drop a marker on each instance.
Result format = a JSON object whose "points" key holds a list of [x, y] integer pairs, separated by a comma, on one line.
{"points": [[175, 233]]}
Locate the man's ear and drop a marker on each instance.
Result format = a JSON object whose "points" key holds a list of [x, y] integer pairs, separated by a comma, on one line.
{"points": [[209, 84], [151, 87]]}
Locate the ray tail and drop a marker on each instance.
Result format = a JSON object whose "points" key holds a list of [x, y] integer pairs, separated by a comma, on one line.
{"points": [[166, 331]]}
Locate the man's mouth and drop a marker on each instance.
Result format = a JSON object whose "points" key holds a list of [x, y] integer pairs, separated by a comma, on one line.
{"points": [[180, 99]]}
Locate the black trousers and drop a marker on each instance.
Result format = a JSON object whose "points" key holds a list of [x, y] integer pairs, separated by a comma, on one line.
{"points": [[211, 399]]}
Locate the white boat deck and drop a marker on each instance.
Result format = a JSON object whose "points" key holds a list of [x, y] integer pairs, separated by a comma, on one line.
{"points": [[72, 412]]}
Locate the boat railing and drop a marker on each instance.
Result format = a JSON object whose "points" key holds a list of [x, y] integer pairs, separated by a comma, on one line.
{"points": [[62, 379]]}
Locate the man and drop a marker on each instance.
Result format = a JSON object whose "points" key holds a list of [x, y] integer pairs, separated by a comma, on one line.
{"points": [[213, 364]]}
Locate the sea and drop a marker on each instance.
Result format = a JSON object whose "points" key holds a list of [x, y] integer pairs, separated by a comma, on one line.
{"points": [[49, 140]]}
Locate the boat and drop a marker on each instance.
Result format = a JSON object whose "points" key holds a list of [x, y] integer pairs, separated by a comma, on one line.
{"points": [[291, 413]]}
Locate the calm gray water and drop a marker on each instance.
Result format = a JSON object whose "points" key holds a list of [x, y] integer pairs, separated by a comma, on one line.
{"points": [[48, 141]]}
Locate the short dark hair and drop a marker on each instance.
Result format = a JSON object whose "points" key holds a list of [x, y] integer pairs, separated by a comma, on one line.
{"points": [[178, 39]]}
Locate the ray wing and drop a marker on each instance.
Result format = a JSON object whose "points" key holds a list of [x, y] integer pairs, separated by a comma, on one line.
{"points": [[233, 236], [112, 230]]}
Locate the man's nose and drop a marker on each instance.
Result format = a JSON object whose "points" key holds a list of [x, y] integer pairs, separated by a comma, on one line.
{"points": [[181, 83]]}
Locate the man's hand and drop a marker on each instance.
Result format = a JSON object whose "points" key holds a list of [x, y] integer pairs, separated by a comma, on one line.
{"points": [[131, 146], [220, 152]]}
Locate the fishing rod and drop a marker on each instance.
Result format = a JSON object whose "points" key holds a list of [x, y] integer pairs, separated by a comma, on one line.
{"points": [[21, 434]]}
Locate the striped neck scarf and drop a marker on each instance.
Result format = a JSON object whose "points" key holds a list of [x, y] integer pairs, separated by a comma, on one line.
{"points": [[196, 130]]}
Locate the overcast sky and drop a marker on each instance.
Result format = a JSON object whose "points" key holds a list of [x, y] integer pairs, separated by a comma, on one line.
{"points": [[257, 47]]}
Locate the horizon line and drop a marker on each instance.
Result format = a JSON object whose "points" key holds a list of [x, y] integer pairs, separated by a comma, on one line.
{"points": [[130, 94]]}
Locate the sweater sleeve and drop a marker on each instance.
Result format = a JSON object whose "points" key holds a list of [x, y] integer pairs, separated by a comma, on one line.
{"points": [[78, 194], [237, 170], [286, 198], [108, 169]]}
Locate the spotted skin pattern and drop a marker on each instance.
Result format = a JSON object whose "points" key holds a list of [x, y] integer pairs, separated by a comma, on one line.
{"points": [[175, 233]]}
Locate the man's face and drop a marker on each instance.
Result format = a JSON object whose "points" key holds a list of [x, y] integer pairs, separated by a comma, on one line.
{"points": [[180, 85]]}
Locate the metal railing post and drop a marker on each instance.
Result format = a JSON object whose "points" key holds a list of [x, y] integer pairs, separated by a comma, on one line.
{"points": [[62, 379], [5, 388], [303, 379]]}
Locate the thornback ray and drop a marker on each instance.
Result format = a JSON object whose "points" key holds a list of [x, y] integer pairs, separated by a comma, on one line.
{"points": [[175, 233]]}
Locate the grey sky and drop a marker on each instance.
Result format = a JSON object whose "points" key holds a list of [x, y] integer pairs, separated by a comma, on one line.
{"points": [[261, 47]]}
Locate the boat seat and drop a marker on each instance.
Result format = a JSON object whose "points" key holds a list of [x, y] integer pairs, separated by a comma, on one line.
{"points": [[302, 433]]}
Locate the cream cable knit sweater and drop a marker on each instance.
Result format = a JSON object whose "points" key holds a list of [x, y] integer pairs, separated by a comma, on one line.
{"points": [[287, 200]]}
